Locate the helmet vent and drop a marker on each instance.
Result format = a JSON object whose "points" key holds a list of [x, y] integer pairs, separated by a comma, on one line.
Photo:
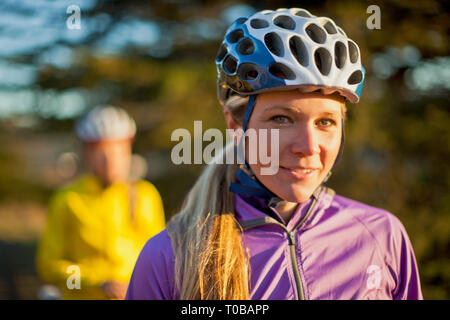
{"points": [[340, 54], [259, 23], [281, 71], [323, 61], [274, 44], [235, 36], [222, 52], [353, 51], [316, 33], [355, 77], [248, 71], [246, 47], [302, 13], [229, 64], [284, 22], [299, 50], [331, 29]]}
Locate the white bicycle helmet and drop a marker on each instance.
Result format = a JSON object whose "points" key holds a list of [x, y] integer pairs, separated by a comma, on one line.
{"points": [[105, 123], [287, 49]]}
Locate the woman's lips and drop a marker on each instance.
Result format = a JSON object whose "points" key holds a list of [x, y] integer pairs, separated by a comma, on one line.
{"points": [[300, 173]]}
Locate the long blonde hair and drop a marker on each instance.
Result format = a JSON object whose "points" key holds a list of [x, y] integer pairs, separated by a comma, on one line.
{"points": [[210, 260]]}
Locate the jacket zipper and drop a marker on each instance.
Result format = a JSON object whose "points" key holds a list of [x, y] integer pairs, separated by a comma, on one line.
{"points": [[292, 243], [293, 253], [298, 281]]}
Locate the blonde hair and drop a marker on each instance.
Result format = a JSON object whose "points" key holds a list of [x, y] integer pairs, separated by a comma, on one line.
{"points": [[210, 260]]}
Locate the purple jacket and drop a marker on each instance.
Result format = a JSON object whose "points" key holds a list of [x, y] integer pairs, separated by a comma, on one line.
{"points": [[332, 248]]}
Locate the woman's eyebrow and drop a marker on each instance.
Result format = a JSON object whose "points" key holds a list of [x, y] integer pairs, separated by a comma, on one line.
{"points": [[328, 113], [287, 108], [297, 111]]}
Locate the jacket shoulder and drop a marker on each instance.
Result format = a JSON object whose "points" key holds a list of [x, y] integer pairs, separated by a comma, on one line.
{"points": [[383, 226], [160, 245], [153, 275], [158, 255], [368, 215]]}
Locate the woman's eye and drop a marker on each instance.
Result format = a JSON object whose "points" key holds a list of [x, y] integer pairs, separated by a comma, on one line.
{"points": [[280, 119], [326, 122]]}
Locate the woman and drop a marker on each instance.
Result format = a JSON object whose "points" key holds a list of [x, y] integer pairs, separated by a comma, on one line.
{"points": [[245, 235]]}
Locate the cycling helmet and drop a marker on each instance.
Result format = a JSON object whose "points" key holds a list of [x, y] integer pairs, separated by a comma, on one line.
{"points": [[287, 49], [105, 123]]}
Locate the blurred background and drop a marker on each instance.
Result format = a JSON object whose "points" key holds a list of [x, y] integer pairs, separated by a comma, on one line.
{"points": [[156, 60]]}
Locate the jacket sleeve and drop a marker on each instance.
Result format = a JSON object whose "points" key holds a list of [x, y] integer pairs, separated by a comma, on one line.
{"points": [[50, 263], [153, 274], [52, 257], [405, 270]]}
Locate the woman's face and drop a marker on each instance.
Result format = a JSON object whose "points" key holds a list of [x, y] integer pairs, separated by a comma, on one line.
{"points": [[310, 129], [109, 160]]}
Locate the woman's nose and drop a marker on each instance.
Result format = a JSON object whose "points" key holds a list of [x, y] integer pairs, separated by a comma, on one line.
{"points": [[306, 142]]}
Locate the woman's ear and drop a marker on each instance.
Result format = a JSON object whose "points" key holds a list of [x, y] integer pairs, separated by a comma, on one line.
{"points": [[231, 124]]}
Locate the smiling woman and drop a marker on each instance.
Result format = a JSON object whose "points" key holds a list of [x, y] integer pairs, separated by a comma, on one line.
{"points": [[245, 235]]}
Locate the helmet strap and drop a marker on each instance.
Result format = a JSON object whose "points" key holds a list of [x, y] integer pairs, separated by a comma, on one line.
{"points": [[248, 111]]}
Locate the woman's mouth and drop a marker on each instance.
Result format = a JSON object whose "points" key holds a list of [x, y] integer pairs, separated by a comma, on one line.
{"points": [[300, 173]]}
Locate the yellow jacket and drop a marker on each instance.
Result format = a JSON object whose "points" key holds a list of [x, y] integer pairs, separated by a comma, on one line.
{"points": [[101, 231]]}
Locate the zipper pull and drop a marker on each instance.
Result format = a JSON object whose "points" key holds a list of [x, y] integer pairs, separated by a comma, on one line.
{"points": [[291, 238]]}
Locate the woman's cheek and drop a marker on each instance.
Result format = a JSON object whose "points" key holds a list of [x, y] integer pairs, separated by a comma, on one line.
{"points": [[330, 150]]}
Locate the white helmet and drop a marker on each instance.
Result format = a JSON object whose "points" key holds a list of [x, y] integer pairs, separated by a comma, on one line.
{"points": [[105, 123], [287, 49]]}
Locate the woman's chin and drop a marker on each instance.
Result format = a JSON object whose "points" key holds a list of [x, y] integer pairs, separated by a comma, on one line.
{"points": [[295, 195], [293, 191]]}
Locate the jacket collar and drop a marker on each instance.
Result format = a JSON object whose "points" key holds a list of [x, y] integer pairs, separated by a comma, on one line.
{"points": [[252, 208]]}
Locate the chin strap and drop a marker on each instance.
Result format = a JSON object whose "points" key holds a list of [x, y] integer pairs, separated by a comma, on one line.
{"points": [[249, 187]]}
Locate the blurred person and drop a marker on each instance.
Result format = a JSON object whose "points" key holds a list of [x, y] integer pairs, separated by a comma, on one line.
{"points": [[242, 234], [98, 224]]}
